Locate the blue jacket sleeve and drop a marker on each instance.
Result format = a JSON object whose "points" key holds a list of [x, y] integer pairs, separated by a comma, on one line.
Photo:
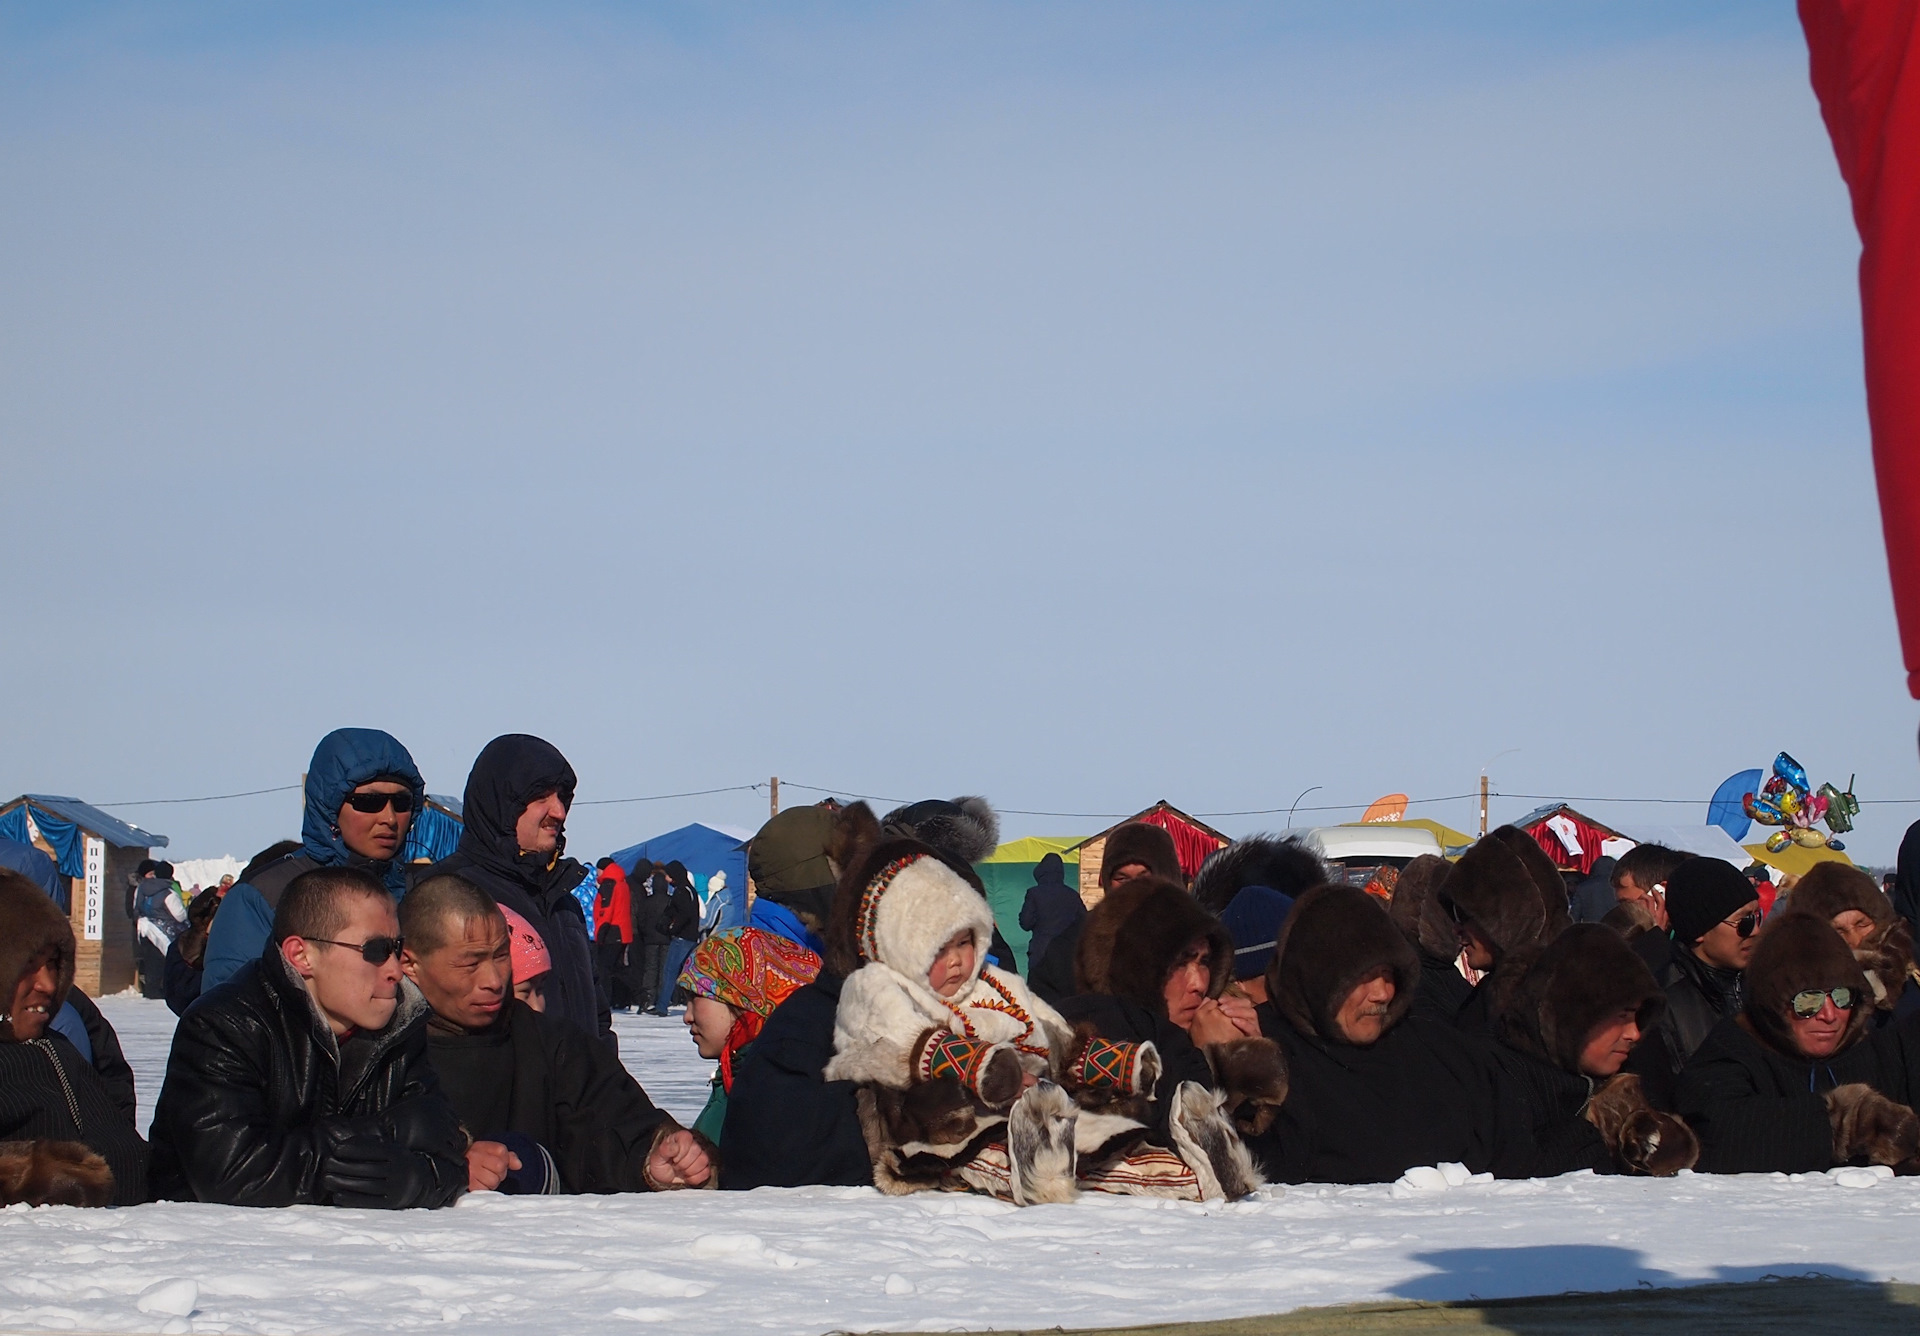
{"points": [[239, 934]]}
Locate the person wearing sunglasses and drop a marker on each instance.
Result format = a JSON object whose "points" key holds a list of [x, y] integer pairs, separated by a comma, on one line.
{"points": [[1881, 940], [1712, 913], [1800, 1080], [304, 1080], [362, 793]]}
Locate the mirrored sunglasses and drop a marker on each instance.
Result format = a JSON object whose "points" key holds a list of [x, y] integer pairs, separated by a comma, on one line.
{"points": [[1808, 1001]]}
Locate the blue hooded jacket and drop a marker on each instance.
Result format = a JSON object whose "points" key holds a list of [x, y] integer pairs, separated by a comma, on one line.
{"points": [[345, 759]]}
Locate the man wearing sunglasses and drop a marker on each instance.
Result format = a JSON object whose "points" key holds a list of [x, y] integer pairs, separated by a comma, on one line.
{"points": [[1713, 913], [362, 792], [304, 1080], [1801, 1081]]}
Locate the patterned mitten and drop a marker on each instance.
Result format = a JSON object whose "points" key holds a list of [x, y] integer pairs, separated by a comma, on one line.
{"points": [[990, 1072]]}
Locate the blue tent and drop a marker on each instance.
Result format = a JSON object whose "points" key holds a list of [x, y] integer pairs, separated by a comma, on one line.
{"points": [[435, 831], [705, 850], [36, 867], [61, 822]]}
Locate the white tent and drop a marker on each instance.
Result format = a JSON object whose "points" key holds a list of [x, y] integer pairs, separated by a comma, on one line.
{"points": [[1707, 841]]}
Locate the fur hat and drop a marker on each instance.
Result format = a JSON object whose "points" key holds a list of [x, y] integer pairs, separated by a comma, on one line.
{"points": [[1335, 937], [965, 828], [1584, 976], [1702, 892], [1798, 951], [894, 896], [1140, 842], [1286, 865], [1416, 908], [1829, 889], [1498, 886], [30, 924], [1546, 877], [1132, 939]]}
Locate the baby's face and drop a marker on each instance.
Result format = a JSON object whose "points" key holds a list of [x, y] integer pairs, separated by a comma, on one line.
{"points": [[953, 966]]}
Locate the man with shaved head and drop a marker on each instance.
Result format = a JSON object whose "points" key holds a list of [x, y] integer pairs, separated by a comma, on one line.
{"points": [[549, 1109]]}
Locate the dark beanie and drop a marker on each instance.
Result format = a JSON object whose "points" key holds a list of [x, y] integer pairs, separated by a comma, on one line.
{"points": [[1700, 893], [1253, 918]]}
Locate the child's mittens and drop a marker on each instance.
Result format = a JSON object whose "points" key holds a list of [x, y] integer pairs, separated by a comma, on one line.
{"points": [[1102, 1064], [990, 1072]]}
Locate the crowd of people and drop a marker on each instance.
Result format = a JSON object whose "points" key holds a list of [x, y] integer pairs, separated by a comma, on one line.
{"points": [[360, 1031]]}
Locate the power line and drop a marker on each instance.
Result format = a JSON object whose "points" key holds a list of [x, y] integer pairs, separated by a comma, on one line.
{"points": [[662, 797], [210, 798]]}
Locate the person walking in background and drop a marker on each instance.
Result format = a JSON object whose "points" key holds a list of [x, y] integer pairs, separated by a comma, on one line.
{"points": [[160, 915], [1050, 909], [513, 846], [652, 903], [683, 930], [362, 792], [612, 935]]}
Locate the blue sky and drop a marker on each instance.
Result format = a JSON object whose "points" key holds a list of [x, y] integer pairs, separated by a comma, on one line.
{"points": [[1079, 405]]}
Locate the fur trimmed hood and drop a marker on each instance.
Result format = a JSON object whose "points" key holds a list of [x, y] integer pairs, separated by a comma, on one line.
{"points": [[1132, 938], [1335, 937], [1285, 865], [1139, 842], [1418, 911], [30, 923], [898, 900], [966, 828], [1584, 976], [1833, 888], [1510, 889], [1798, 951]]}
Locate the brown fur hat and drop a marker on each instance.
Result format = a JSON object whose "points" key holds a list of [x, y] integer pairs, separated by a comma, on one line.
{"points": [[1416, 908], [860, 850], [1798, 951], [1580, 979], [31, 924], [53, 1173], [1546, 877], [1497, 885], [1139, 842], [1335, 937], [1833, 888], [1131, 940]]}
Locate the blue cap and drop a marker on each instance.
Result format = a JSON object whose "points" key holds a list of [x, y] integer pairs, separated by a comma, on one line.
{"points": [[1253, 918]]}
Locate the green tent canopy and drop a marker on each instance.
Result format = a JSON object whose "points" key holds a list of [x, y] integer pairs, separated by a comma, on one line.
{"points": [[1007, 873]]}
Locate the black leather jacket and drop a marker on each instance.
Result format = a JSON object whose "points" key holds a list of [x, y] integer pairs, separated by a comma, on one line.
{"points": [[260, 1102]]}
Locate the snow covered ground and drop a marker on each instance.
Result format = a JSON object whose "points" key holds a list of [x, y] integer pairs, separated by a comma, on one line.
{"points": [[815, 1260]]}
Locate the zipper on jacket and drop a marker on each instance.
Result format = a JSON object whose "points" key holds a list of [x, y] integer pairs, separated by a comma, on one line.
{"points": [[73, 1105]]}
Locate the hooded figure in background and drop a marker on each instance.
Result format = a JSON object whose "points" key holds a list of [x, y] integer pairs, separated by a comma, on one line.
{"points": [[1800, 1080], [1420, 913], [1051, 908], [516, 800], [1509, 900], [1881, 939], [1566, 1031], [346, 759], [1137, 849], [1374, 1091]]}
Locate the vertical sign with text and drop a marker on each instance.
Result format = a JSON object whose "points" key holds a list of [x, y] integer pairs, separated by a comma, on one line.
{"points": [[96, 888]]}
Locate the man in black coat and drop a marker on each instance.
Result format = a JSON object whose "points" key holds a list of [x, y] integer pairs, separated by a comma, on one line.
{"points": [[1050, 909], [548, 1108], [1800, 1080], [1713, 914], [303, 1080], [513, 846], [652, 921], [1374, 1091]]}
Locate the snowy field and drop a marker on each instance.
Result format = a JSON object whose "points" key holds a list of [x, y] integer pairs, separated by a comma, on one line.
{"points": [[816, 1260]]}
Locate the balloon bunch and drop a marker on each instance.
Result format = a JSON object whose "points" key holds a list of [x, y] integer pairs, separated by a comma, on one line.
{"points": [[1789, 801]]}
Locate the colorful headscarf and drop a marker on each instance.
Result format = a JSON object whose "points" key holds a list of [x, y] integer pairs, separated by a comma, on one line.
{"points": [[751, 970]]}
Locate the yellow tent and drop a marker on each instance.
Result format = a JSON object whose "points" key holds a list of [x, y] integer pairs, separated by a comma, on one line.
{"points": [[1794, 860], [1034, 848]]}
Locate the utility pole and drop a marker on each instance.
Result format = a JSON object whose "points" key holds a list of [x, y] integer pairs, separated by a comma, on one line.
{"points": [[1483, 802], [773, 801]]}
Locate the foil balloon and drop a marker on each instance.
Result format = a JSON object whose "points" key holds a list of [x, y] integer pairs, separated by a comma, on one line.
{"points": [[1787, 800]]}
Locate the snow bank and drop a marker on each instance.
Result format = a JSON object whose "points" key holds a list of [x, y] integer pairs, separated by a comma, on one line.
{"points": [[817, 1259]]}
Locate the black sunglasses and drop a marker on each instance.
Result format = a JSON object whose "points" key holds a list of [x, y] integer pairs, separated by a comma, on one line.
{"points": [[1747, 925], [1808, 1001], [369, 803], [379, 950]]}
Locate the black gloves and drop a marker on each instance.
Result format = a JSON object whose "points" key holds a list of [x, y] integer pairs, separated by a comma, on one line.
{"points": [[369, 1173]]}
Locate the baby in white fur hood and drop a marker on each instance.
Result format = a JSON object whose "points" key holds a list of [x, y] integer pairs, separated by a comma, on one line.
{"points": [[970, 1081]]}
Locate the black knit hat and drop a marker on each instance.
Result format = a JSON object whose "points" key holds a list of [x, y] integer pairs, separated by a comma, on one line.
{"points": [[1700, 893]]}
